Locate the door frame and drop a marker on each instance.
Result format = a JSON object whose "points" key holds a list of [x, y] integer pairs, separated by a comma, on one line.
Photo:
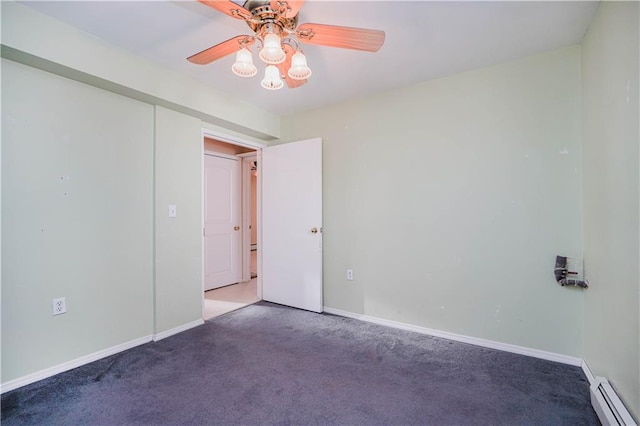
{"points": [[245, 193], [257, 146]]}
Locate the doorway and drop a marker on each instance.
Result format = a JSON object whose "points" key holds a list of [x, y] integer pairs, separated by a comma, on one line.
{"points": [[229, 227], [289, 220]]}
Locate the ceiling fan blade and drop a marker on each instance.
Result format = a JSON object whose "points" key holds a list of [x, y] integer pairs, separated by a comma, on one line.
{"points": [[344, 37], [228, 8], [221, 50], [284, 67], [293, 6]]}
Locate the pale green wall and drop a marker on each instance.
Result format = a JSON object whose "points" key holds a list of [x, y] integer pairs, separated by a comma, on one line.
{"points": [[611, 191], [178, 159], [40, 41], [96, 244], [451, 198], [88, 238], [124, 298]]}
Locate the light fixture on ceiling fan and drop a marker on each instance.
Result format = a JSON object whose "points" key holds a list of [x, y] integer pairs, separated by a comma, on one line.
{"points": [[276, 29]]}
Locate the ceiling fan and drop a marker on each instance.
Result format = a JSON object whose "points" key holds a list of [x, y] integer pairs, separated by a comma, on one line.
{"points": [[276, 30]]}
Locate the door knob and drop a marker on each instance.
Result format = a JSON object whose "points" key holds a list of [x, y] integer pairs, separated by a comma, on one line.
{"points": [[236, 228], [314, 230]]}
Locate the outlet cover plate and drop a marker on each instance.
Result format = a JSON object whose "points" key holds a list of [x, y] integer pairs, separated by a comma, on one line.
{"points": [[59, 306]]}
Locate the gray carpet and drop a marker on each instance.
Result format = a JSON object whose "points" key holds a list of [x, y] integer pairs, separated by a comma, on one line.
{"points": [[269, 364]]}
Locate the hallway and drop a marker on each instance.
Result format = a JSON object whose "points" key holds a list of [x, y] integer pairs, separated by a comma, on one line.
{"points": [[235, 296]]}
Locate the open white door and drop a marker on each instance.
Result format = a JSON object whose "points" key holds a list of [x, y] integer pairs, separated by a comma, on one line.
{"points": [[292, 224]]}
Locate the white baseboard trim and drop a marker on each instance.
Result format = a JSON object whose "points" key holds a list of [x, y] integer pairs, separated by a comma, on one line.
{"points": [[66, 366], [60, 368], [536, 353], [180, 329], [587, 372]]}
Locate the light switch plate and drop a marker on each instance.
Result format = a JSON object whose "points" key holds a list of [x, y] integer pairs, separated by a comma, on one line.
{"points": [[173, 211]]}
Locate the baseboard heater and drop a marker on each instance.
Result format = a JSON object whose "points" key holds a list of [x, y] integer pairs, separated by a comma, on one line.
{"points": [[606, 403]]}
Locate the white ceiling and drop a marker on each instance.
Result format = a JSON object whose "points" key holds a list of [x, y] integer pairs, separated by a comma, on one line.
{"points": [[424, 40]]}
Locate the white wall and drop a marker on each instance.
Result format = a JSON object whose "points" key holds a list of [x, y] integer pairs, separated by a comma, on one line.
{"points": [[178, 241], [450, 200], [77, 222], [611, 191]]}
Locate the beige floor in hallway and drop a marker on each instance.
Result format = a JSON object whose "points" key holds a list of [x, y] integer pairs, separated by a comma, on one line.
{"points": [[226, 299]]}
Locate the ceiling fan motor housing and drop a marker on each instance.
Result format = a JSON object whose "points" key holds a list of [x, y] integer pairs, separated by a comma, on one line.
{"points": [[264, 17]]}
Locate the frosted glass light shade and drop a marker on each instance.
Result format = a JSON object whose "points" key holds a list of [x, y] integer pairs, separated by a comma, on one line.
{"points": [[272, 80], [271, 52], [243, 65], [299, 69]]}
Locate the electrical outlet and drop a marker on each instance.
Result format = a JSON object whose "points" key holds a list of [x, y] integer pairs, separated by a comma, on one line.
{"points": [[59, 306], [350, 274]]}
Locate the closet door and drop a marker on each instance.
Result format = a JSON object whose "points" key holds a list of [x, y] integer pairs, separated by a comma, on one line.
{"points": [[222, 220]]}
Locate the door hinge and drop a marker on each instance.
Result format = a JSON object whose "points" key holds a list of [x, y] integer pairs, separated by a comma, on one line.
{"points": [[204, 232]]}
